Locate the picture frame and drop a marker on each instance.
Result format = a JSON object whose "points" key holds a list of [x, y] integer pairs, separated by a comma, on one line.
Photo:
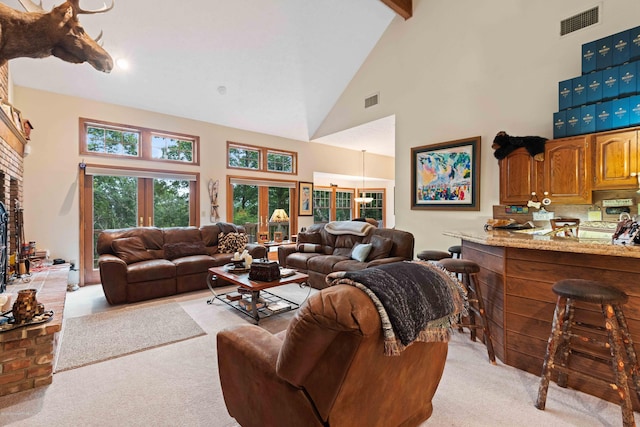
{"points": [[263, 237], [17, 119], [446, 175], [305, 198], [6, 108], [277, 236]]}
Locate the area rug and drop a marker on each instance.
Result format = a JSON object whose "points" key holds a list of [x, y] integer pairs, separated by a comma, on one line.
{"points": [[103, 336]]}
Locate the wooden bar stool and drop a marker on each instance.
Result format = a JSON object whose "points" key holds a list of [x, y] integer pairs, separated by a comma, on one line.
{"points": [[563, 341], [468, 270], [433, 255], [456, 251]]}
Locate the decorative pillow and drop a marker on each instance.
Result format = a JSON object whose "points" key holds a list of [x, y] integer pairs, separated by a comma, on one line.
{"points": [[360, 251], [309, 247], [232, 242], [380, 247], [182, 249], [131, 249]]}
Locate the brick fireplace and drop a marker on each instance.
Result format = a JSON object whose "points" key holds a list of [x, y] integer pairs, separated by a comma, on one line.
{"points": [[12, 143], [26, 354]]}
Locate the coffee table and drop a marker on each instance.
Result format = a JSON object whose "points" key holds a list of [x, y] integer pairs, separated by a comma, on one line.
{"points": [[255, 289]]}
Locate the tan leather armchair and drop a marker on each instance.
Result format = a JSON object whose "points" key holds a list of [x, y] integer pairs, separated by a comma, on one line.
{"points": [[327, 368]]}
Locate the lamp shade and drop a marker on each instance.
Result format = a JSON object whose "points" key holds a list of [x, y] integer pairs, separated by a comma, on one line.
{"points": [[279, 215]]}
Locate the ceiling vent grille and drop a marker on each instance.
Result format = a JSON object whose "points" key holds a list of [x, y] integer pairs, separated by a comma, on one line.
{"points": [[371, 100], [580, 21]]}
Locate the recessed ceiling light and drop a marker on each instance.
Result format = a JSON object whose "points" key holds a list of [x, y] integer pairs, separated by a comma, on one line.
{"points": [[122, 63], [222, 90]]}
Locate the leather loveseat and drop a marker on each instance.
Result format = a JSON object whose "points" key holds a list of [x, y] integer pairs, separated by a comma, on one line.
{"points": [[320, 251], [142, 263]]}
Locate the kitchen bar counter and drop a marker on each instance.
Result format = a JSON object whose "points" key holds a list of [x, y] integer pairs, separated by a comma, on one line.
{"points": [[527, 240], [517, 272]]}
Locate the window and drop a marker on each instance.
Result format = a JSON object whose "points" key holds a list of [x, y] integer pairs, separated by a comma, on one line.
{"points": [[168, 148], [279, 162], [242, 156], [332, 204], [322, 205], [375, 209], [113, 141], [253, 201], [344, 206], [124, 141], [113, 197]]}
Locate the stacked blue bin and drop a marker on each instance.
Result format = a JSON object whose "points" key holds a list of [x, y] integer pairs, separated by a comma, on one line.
{"points": [[607, 94]]}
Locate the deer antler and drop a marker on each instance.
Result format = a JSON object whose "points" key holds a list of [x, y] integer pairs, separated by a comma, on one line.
{"points": [[30, 6], [79, 10]]}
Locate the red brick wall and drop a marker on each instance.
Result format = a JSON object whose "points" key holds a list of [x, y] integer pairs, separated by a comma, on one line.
{"points": [[11, 165]]}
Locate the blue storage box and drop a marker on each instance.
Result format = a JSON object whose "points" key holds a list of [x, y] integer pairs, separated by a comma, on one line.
{"points": [[594, 87], [634, 43], [573, 122], [610, 87], [565, 100], [628, 84], [621, 48], [604, 56], [604, 117], [634, 110], [620, 113], [587, 119], [588, 57], [579, 91], [559, 125]]}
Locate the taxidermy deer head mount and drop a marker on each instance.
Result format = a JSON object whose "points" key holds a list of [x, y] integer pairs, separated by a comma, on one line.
{"points": [[38, 34]]}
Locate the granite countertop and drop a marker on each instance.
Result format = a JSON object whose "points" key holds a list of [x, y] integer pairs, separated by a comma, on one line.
{"points": [[530, 240]]}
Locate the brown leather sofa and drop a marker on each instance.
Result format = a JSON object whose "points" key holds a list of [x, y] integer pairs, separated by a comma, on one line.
{"points": [[327, 369], [142, 263], [334, 252]]}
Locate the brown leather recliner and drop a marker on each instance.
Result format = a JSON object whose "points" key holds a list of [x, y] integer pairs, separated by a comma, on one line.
{"points": [[327, 368]]}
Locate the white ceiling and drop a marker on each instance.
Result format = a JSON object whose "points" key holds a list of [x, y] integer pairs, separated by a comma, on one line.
{"points": [[284, 63]]}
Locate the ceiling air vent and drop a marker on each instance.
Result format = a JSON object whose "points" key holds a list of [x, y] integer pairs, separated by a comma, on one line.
{"points": [[580, 21], [371, 101]]}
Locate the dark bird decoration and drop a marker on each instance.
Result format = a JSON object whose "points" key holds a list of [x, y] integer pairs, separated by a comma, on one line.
{"points": [[503, 144]]}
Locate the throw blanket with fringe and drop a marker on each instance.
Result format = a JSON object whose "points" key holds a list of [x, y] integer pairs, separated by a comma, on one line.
{"points": [[417, 301], [357, 228]]}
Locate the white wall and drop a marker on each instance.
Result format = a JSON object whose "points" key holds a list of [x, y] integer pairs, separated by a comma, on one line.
{"points": [[51, 170], [465, 68]]}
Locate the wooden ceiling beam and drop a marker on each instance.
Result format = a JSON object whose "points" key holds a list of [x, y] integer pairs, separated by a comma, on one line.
{"points": [[403, 8]]}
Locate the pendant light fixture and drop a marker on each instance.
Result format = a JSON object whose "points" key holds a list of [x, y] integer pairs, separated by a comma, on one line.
{"points": [[362, 198]]}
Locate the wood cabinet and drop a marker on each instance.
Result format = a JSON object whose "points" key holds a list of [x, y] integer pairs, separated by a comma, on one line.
{"points": [[567, 170], [565, 173], [615, 159], [520, 174]]}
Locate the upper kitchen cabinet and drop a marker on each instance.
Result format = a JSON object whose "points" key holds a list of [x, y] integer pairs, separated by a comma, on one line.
{"points": [[615, 160], [567, 170], [520, 175], [565, 173]]}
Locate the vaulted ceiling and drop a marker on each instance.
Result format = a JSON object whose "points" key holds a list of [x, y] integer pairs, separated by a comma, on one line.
{"points": [[270, 66]]}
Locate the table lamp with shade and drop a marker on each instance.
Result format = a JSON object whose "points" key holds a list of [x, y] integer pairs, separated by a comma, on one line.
{"points": [[279, 216]]}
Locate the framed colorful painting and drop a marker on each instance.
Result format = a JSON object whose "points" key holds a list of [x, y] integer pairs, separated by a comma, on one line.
{"points": [[446, 175]]}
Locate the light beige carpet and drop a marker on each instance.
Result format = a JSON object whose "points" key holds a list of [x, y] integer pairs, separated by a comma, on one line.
{"points": [[178, 384], [103, 336]]}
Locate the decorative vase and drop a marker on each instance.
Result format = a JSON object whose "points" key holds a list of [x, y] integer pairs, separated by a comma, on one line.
{"points": [[26, 306]]}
